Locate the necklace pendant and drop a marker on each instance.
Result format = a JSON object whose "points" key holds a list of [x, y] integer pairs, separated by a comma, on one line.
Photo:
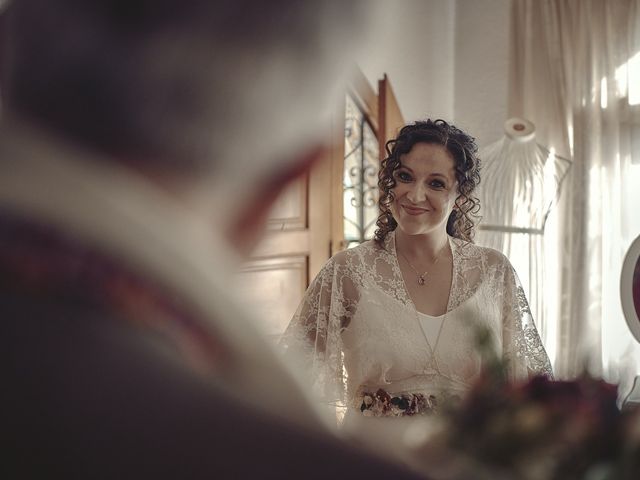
{"points": [[421, 280]]}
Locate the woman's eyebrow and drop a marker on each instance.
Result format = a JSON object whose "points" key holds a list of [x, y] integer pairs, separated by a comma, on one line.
{"points": [[438, 174], [432, 174]]}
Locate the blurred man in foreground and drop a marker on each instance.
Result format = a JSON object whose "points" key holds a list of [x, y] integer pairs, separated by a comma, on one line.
{"points": [[141, 146]]}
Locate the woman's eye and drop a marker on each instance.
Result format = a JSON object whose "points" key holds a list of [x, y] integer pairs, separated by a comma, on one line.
{"points": [[403, 176], [437, 184]]}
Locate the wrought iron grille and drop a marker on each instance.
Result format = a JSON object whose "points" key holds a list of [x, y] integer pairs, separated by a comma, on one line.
{"points": [[360, 176]]}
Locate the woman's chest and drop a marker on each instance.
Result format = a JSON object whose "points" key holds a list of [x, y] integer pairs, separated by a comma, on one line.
{"points": [[387, 335], [429, 292]]}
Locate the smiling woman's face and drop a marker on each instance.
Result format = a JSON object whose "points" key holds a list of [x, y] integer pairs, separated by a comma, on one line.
{"points": [[426, 189]]}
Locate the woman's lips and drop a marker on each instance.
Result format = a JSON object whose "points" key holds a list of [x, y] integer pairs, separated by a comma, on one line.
{"points": [[413, 210]]}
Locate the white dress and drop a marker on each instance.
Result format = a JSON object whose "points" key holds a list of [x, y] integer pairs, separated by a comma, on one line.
{"points": [[357, 330]]}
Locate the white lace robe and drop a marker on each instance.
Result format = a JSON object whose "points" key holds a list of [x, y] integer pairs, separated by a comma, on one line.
{"points": [[358, 330]]}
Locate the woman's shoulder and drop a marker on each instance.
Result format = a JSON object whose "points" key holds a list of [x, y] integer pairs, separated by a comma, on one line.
{"points": [[351, 262], [487, 255], [359, 254]]}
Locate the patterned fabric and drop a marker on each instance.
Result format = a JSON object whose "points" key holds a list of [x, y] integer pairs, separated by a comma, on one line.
{"points": [[42, 262], [358, 330], [384, 404]]}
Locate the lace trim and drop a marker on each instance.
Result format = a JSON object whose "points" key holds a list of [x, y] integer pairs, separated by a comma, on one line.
{"points": [[527, 342]]}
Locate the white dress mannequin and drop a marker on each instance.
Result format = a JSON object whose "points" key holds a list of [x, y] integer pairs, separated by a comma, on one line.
{"points": [[521, 181]]}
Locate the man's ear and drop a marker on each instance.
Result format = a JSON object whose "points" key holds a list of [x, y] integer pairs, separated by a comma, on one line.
{"points": [[248, 228]]}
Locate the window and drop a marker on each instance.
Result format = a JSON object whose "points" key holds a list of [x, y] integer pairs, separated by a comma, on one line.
{"points": [[360, 176]]}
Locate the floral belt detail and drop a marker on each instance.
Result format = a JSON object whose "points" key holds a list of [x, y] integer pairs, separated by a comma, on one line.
{"points": [[383, 404]]}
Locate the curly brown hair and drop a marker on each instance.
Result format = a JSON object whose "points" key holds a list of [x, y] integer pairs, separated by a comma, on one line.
{"points": [[463, 149]]}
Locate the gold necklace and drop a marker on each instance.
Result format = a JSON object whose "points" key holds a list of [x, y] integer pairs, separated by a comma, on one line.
{"points": [[421, 276]]}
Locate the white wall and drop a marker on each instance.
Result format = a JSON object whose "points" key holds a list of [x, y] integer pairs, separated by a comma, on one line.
{"points": [[414, 46], [481, 67], [445, 59]]}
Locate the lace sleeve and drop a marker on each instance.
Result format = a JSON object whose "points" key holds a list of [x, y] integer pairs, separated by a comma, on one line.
{"points": [[313, 338], [522, 346]]}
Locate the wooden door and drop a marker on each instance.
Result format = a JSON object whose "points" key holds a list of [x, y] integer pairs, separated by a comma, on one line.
{"points": [[306, 226], [390, 117], [298, 240], [277, 272]]}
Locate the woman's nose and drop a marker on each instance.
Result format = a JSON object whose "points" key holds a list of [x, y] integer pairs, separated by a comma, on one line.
{"points": [[417, 193]]}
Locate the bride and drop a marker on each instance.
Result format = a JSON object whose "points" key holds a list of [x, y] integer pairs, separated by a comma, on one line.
{"points": [[389, 328]]}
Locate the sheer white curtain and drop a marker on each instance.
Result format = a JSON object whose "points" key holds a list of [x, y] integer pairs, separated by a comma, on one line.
{"points": [[575, 75]]}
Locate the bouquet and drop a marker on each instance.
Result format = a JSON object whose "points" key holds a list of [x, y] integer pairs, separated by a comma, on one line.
{"points": [[539, 429], [546, 429]]}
